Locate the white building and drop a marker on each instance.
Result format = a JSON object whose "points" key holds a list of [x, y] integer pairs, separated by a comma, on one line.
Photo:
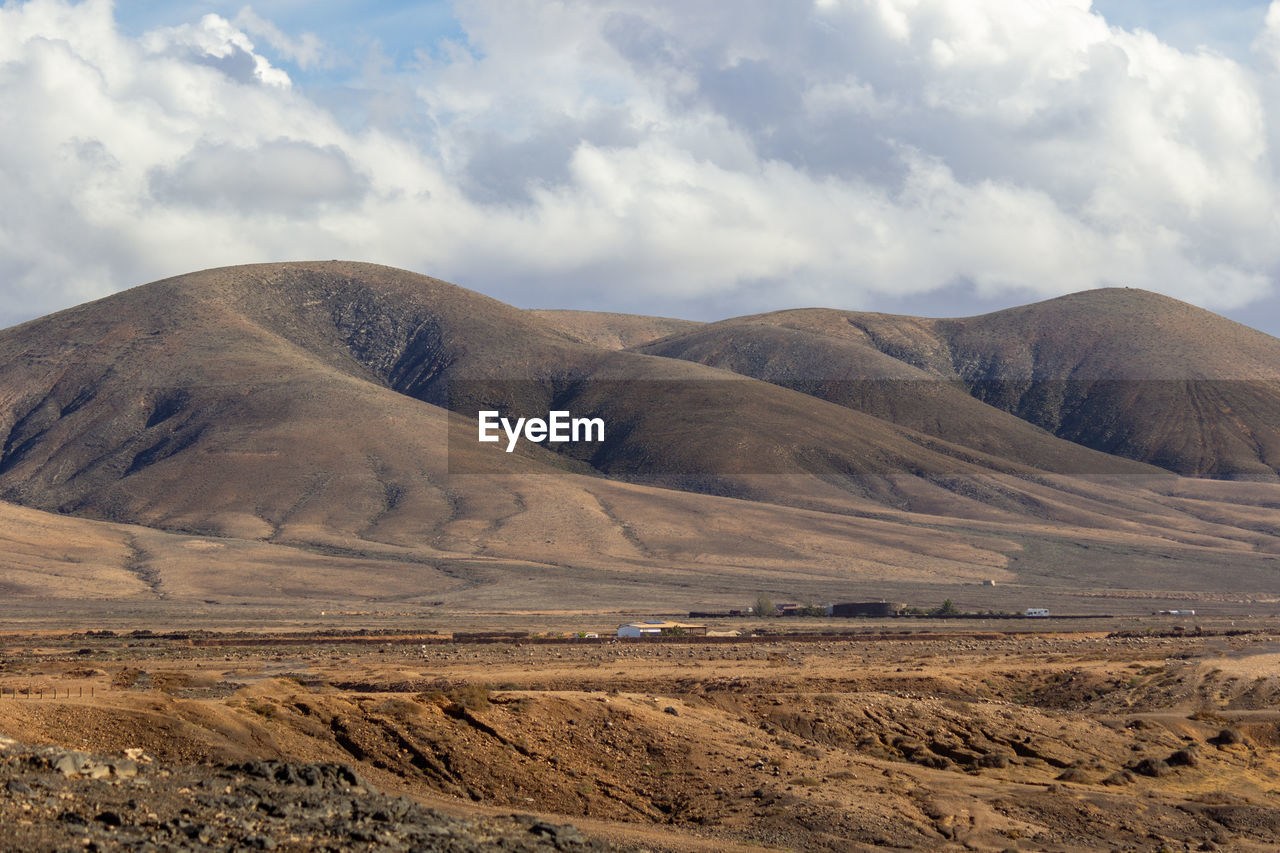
{"points": [[659, 627]]}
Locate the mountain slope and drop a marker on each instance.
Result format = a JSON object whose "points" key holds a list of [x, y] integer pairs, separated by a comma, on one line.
{"points": [[608, 330], [232, 423], [176, 394], [1123, 371], [858, 376]]}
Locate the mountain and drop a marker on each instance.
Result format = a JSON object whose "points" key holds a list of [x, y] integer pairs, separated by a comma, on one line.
{"points": [[1123, 371], [858, 376], [158, 404], [302, 429], [609, 330]]}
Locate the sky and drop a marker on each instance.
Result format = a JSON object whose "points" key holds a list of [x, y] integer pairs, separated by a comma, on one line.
{"points": [[697, 160]]}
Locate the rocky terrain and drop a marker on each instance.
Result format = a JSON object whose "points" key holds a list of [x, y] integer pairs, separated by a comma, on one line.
{"points": [[246, 525], [935, 740], [58, 799]]}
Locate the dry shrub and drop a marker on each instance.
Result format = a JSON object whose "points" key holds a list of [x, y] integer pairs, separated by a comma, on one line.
{"points": [[263, 709], [170, 682], [1207, 715], [473, 697], [126, 677], [399, 709]]}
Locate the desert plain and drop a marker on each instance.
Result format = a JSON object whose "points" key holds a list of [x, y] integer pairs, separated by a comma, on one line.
{"points": [[1142, 733]]}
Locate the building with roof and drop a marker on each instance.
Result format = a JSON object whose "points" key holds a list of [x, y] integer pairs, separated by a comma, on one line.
{"points": [[660, 628]]}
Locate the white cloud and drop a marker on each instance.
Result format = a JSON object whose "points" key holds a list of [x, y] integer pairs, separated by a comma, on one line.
{"points": [[216, 42], [280, 176], [305, 51], [667, 157]]}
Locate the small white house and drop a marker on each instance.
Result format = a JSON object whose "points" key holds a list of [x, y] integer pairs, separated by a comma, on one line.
{"points": [[659, 627], [640, 629], [1037, 611]]}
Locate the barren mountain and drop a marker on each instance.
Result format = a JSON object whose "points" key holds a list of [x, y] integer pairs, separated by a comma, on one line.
{"points": [[1120, 370], [609, 330], [858, 376], [323, 385], [309, 429]]}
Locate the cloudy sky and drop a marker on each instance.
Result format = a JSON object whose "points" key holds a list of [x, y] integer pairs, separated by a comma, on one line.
{"points": [[677, 158]]}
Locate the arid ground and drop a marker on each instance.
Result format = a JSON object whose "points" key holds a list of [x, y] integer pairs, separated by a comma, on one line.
{"points": [[1156, 733], [246, 517]]}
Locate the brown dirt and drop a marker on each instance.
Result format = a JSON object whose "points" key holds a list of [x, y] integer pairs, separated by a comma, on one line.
{"points": [[986, 742]]}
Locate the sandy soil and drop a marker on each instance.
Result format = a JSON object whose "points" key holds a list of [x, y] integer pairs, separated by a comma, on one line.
{"points": [[980, 740]]}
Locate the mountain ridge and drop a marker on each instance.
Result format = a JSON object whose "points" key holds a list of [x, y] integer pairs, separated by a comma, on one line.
{"points": [[1119, 370], [331, 406]]}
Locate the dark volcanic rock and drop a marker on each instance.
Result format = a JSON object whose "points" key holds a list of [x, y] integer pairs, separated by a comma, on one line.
{"points": [[84, 803]]}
